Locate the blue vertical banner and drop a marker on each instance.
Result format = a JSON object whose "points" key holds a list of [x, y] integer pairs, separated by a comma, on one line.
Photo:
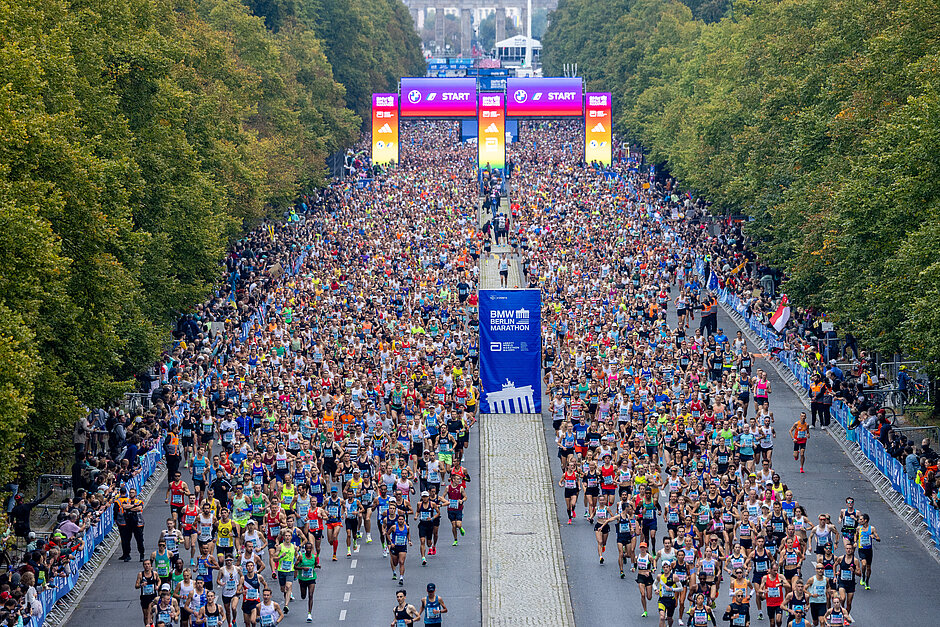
{"points": [[511, 351]]}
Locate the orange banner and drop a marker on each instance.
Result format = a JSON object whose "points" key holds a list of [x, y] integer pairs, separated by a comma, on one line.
{"points": [[384, 128], [491, 130], [597, 128]]}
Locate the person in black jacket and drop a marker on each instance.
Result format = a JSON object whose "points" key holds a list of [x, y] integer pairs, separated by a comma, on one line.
{"points": [[21, 511]]}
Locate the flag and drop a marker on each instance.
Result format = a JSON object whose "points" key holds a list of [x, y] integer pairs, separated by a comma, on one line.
{"points": [[780, 317], [739, 268], [713, 281]]}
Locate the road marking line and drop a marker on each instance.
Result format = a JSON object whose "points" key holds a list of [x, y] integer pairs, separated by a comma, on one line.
{"points": [[353, 563], [346, 598], [342, 615], [349, 580]]}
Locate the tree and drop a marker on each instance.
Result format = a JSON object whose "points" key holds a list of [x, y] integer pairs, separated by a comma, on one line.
{"points": [[137, 139]]}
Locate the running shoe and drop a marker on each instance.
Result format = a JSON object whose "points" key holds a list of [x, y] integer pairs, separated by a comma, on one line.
{"points": [[462, 532], [309, 618], [602, 559], [680, 622], [348, 553], [644, 614], [801, 470], [424, 561], [760, 616], [286, 610], [368, 538], [455, 543], [622, 576], [569, 521], [401, 581], [334, 558], [394, 574]]}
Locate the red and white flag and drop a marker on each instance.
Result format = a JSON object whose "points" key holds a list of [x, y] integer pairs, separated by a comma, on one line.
{"points": [[780, 317]]}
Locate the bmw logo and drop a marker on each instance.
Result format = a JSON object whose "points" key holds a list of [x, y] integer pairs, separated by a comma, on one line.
{"points": [[414, 96], [520, 96]]}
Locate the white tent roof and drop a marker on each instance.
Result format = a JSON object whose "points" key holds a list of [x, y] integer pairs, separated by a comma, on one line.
{"points": [[519, 41]]}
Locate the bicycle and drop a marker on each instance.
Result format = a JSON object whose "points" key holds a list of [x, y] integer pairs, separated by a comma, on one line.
{"points": [[877, 403]]}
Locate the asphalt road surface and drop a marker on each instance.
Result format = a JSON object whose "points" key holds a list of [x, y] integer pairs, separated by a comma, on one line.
{"points": [[357, 591], [904, 581]]}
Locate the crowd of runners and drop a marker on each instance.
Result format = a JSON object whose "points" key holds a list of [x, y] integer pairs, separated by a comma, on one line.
{"points": [[665, 426], [340, 414]]}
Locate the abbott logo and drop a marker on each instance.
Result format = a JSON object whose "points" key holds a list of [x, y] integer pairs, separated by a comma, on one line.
{"points": [[496, 347], [520, 96], [414, 96]]}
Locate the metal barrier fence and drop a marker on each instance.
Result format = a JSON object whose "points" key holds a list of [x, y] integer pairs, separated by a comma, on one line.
{"points": [[61, 488], [918, 434]]}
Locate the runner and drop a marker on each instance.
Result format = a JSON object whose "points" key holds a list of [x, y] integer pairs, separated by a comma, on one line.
{"points": [[269, 612], [307, 577], [432, 607], [865, 533], [644, 564], [148, 582], [800, 434], [286, 560], [228, 580], [400, 539], [250, 589], [404, 613], [456, 497], [165, 609]]}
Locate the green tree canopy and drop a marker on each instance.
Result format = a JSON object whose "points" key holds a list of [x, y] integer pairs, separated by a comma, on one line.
{"points": [[818, 118], [137, 139]]}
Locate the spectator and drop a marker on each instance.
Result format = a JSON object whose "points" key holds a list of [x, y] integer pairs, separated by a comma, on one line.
{"points": [[83, 429], [70, 527], [927, 452], [21, 511], [911, 463]]}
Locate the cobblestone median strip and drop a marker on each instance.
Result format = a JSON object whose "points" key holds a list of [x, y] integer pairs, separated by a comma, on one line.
{"points": [[524, 579]]}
